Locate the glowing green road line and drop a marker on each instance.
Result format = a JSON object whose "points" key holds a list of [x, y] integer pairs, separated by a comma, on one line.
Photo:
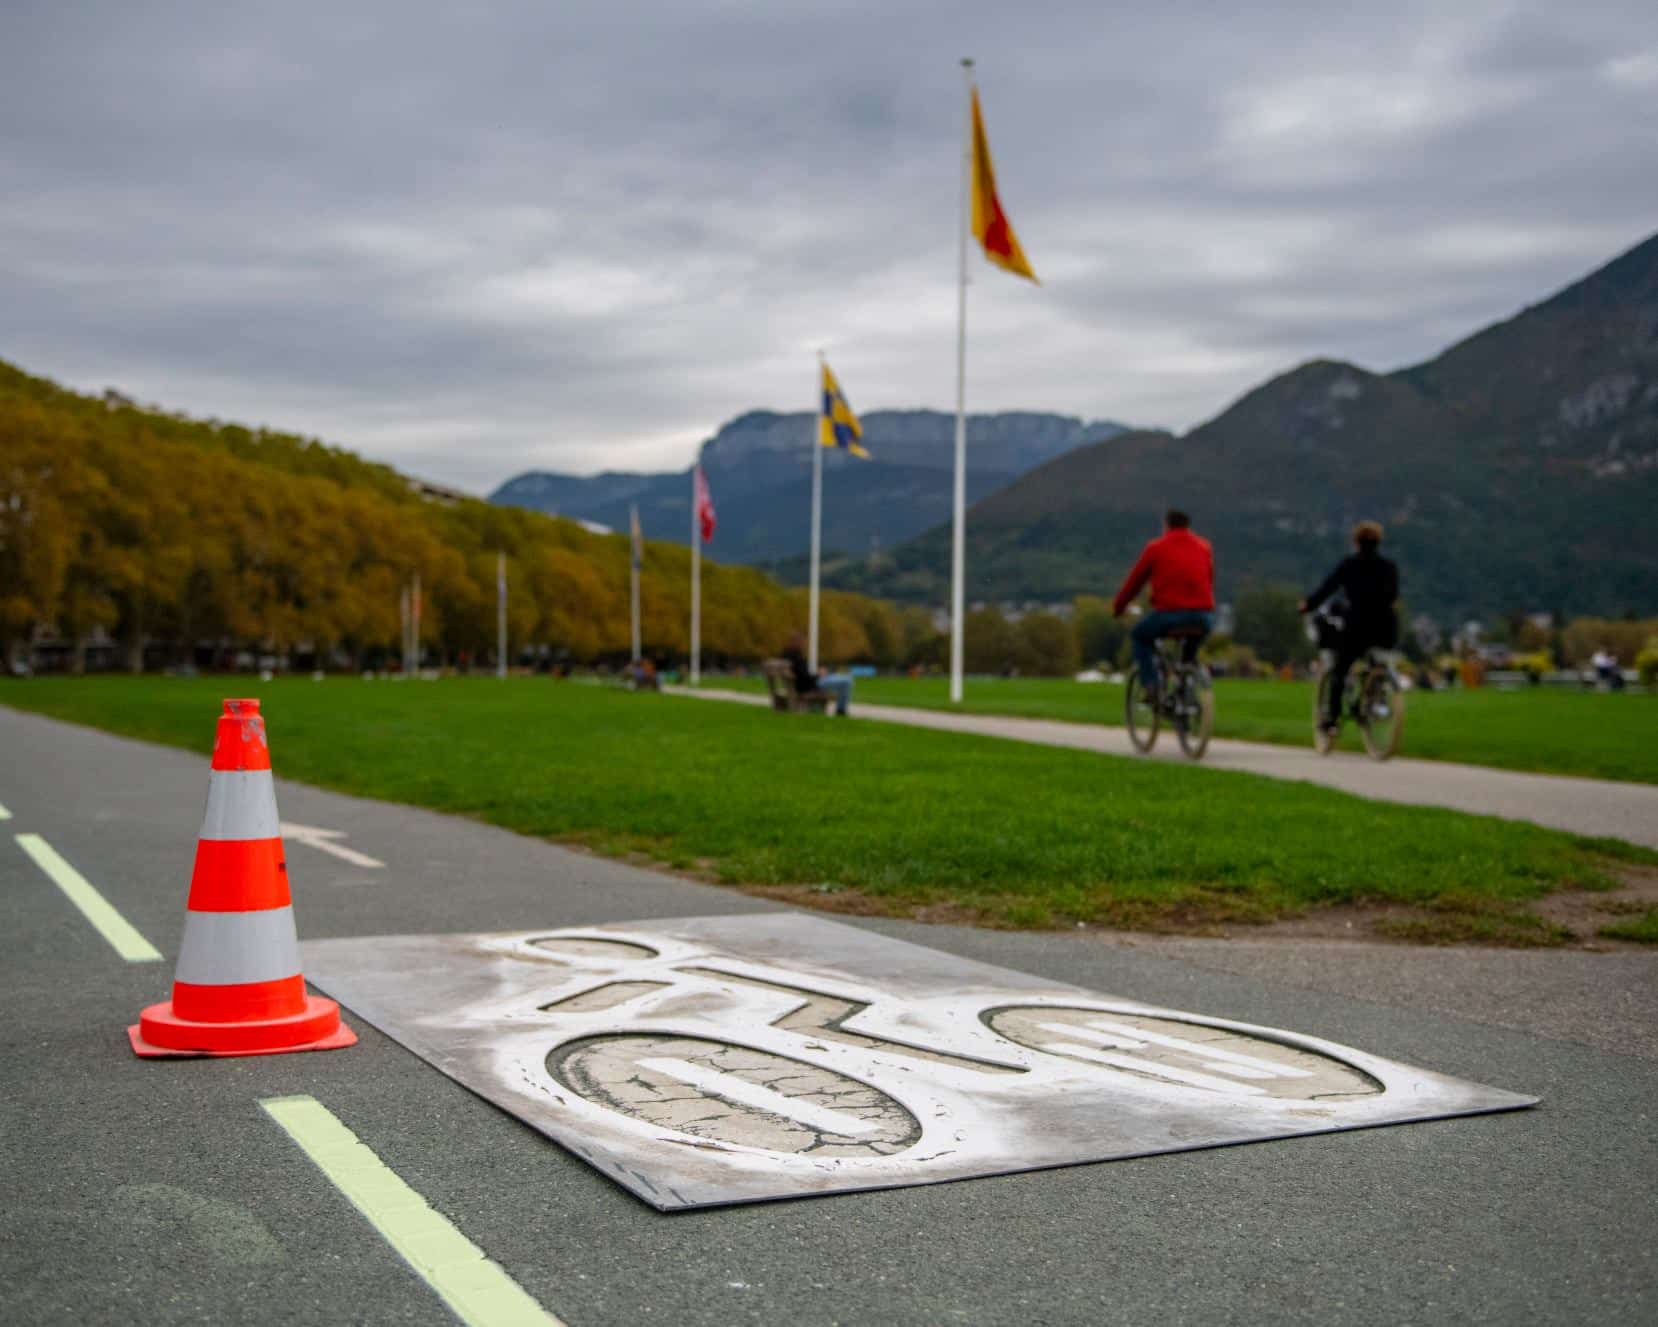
{"points": [[479, 1292], [121, 934]]}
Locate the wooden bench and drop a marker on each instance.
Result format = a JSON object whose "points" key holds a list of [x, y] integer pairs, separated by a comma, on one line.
{"points": [[784, 698]]}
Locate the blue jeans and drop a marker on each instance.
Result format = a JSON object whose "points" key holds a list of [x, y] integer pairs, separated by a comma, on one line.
{"points": [[1155, 624], [838, 685]]}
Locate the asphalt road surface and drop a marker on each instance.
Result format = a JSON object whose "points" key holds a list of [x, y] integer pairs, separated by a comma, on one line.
{"points": [[160, 1192], [1601, 807]]}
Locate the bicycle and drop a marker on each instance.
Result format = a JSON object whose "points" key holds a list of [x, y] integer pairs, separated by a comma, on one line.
{"points": [[1186, 693], [1374, 697]]}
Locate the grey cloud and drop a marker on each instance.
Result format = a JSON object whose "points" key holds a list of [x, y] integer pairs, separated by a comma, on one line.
{"points": [[474, 239]]}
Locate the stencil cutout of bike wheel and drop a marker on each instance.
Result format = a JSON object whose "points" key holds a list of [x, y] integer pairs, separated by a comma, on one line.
{"points": [[1165, 1051], [735, 1095]]}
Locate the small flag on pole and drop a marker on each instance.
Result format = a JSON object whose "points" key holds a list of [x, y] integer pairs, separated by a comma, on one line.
{"points": [[705, 505], [837, 425], [638, 539], [990, 223]]}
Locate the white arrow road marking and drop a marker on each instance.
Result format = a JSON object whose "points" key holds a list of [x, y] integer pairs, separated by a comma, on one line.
{"points": [[744, 1093], [323, 841]]}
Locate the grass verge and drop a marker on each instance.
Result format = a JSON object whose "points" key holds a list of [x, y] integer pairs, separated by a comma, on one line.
{"points": [[1467, 919], [1643, 928], [911, 820]]}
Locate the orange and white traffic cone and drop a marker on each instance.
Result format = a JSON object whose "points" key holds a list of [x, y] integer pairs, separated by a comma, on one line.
{"points": [[238, 989]]}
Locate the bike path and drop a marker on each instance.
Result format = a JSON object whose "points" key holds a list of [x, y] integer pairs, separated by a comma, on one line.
{"points": [[156, 1192], [1598, 807]]}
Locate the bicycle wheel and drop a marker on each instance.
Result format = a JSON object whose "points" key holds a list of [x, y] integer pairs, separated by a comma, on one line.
{"points": [[1197, 710], [1382, 707], [1323, 742], [1140, 716]]}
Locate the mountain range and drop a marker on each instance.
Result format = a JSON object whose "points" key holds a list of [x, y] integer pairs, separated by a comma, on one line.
{"points": [[759, 469], [1515, 472]]}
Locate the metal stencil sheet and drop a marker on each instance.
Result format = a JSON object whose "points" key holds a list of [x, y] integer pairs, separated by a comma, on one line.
{"points": [[708, 1060]]}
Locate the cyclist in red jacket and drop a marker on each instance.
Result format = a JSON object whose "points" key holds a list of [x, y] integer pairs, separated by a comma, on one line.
{"points": [[1181, 569]]}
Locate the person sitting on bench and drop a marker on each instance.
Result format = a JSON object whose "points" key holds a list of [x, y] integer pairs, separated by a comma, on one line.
{"points": [[838, 686]]}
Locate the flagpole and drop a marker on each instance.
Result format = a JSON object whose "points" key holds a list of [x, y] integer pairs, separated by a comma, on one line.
{"points": [[501, 613], [958, 559], [633, 561], [696, 584], [817, 523]]}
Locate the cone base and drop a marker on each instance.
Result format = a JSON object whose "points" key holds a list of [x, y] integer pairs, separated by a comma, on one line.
{"points": [[160, 1032]]}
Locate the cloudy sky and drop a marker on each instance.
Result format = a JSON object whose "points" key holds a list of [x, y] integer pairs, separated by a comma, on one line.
{"points": [[473, 239]]}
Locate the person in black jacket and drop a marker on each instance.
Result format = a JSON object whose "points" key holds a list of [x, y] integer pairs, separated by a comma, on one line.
{"points": [[1370, 585], [837, 686]]}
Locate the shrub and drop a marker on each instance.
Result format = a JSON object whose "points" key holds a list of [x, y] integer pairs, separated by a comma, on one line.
{"points": [[1646, 663], [1229, 659]]}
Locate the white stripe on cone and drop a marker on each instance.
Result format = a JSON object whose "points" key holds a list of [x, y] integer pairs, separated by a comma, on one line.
{"points": [[241, 804], [230, 948]]}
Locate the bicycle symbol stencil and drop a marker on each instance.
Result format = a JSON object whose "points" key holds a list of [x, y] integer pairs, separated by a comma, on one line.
{"points": [[729, 1059]]}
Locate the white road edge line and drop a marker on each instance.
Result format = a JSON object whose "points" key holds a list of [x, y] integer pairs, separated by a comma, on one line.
{"points": [[5, 814], [744, 1093], [122, 935], [479, 1292], [323, 841]]}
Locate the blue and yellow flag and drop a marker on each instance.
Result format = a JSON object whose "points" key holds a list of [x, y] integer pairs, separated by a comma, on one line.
{"points": [[837, 425]]}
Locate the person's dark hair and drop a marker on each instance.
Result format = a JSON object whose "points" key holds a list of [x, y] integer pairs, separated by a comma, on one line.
{"points": [[1367, 534], [1176, 519]]}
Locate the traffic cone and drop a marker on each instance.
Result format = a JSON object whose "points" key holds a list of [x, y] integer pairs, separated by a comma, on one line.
{"points": [[238, 989]]}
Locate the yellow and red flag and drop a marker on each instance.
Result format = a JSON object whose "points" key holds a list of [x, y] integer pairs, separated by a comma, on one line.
{"points": [[990, 224]]}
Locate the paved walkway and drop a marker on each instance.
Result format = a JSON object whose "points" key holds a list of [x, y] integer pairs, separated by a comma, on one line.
{"points": [[1584, 806], [143, 1192]]}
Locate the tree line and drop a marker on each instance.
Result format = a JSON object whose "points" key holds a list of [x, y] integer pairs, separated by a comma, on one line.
{"points": [[163, 533], [170, 536]]}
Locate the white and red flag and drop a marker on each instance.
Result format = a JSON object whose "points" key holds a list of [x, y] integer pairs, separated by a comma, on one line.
{"points": [[704, 504]]}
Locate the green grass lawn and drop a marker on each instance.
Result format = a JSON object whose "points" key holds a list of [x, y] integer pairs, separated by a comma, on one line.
{"points": [[1539, 729], [889, 816]]}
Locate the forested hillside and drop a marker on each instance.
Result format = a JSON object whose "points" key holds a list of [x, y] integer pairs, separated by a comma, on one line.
{"points": [[169, 535]]}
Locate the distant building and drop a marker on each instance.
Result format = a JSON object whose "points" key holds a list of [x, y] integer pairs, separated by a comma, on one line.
{"points": [[1468, 636], [439, 493], [1427, 633]]}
